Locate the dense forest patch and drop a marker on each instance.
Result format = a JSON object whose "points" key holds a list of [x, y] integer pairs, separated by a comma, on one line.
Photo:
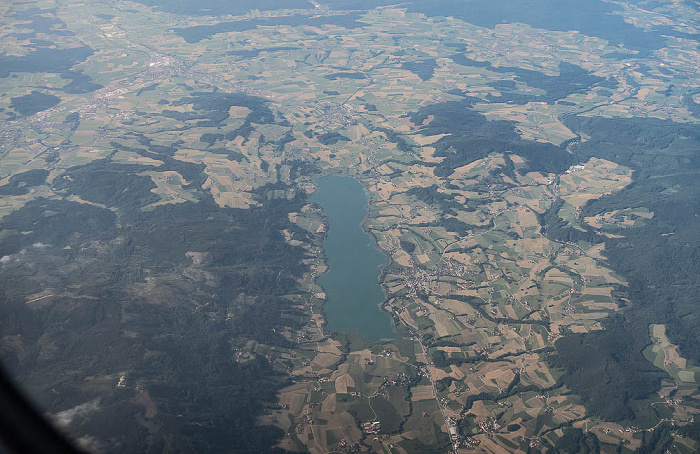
{"points": [[660, 260], [34, 102], [127, 297], [472, 136]]}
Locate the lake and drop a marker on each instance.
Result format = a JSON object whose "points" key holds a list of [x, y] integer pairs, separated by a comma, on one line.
{"points": [[352, 281]]}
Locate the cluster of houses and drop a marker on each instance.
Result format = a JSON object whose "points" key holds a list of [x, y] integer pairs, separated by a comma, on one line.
{"points": [[371, 427]]}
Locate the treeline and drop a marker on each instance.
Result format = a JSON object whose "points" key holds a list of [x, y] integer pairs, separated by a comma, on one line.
{"points": [[20, 183], [421, 68], [441, 359], [571, 79], [576, 441], [556, 228], [607, 369], [432, 196], [471, 136], [659, 260], [128, 299], [213, 108]]}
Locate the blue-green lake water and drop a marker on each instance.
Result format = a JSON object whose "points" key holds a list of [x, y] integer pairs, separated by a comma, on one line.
{"points": [[352, 281]]}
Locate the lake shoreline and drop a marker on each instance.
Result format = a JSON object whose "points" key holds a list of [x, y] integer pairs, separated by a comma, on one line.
{"points": [[339, 318]]}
